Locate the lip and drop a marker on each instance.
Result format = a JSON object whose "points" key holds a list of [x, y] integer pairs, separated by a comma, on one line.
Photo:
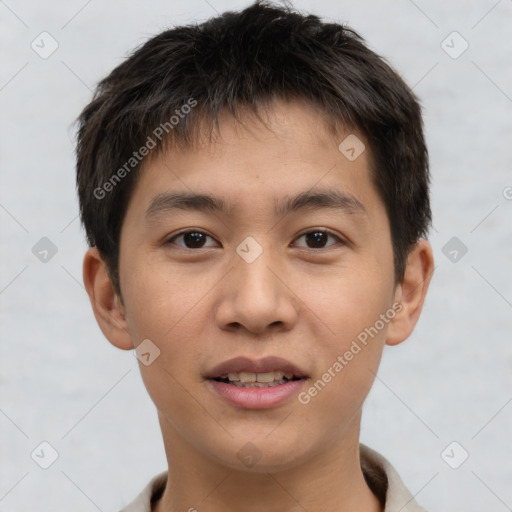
{"points": [[263, 365], [256, 398]]}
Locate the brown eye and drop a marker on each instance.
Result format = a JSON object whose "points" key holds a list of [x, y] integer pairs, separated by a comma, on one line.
{"points": [[191, 239], [317, 239]]}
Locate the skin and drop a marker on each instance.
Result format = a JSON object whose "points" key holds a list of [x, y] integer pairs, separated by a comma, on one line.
{"points": [[304, 302]]}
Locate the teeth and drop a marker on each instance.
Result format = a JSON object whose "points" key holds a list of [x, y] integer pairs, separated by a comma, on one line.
{"points": [[265, 377], [247, 377], [258, 384], [259, 379]]}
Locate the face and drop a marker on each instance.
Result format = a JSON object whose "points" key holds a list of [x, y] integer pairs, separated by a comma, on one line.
{"points": [[297, 265]]}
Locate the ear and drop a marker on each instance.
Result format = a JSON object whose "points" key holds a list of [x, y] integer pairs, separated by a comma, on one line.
{"points": [[411, 292], [106, 303]]}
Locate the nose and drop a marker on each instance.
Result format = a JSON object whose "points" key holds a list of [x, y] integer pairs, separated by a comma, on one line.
{"points": [[256, 296]]}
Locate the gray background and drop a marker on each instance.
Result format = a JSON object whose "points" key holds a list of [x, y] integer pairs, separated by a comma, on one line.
{"points": [[62, 382]]}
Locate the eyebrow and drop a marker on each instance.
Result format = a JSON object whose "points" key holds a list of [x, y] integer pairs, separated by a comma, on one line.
{"points": [[314, 199]]}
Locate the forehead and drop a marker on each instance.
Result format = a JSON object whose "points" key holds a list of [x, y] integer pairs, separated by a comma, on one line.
{"points": [[286, 157]]}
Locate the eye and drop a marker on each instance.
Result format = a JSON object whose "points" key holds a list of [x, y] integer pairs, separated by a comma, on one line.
{"points": [[318, 238], [192, 239]]}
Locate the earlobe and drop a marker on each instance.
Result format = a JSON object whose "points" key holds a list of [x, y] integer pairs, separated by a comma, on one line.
{"points": [[411, 292], [105, 302]]}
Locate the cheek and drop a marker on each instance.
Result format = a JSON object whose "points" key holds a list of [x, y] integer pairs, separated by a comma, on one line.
{"points": [[171, 309], [357, 309], [166, 309], [352, 299], [158, 298]]}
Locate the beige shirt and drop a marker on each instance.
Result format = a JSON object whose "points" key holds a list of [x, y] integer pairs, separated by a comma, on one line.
{"points": [[380, 476]]}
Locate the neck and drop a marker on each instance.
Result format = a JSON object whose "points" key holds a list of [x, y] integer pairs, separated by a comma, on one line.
{"points": [[331, 481]]}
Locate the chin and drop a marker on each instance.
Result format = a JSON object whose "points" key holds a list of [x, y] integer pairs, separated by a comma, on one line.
{"points": [[262, 455]]}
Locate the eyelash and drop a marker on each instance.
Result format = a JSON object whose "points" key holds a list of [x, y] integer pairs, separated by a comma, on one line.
{"points": [[197, 231]]}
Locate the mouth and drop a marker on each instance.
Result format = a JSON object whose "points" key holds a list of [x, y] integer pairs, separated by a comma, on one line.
{"points": [[256, 384]]}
